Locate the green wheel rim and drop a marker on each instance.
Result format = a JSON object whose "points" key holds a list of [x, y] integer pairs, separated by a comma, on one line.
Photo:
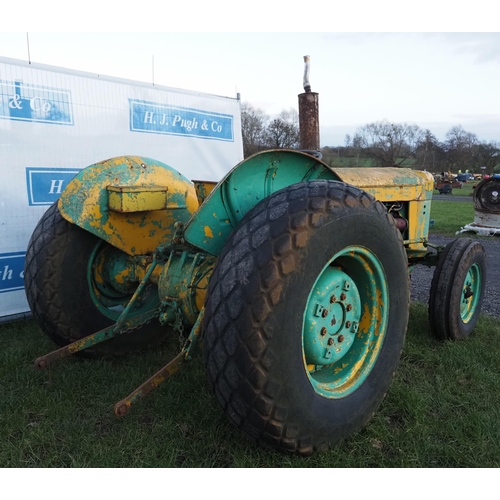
{"points": [[345, 322], [471, 292], [109, 294]]}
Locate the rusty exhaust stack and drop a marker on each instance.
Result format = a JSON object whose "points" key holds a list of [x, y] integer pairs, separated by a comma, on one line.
{"points": [[308, 114]]}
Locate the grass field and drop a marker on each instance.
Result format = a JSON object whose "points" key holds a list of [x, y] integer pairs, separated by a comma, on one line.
{"points": [[449, 216], [442, 410]]}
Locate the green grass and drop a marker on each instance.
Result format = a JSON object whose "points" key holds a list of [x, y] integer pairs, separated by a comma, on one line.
{"points": [[442, 410], [450, 216]]}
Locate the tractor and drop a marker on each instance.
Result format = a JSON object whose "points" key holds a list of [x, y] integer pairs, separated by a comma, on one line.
{"points": [[290, 276]]}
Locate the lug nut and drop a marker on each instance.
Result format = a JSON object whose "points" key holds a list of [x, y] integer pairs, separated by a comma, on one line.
{"points": [[348, 324], [343, 296], [330, 341], [341, 338], [323, 332], [324, 313], [349, 307], [333, 299]]}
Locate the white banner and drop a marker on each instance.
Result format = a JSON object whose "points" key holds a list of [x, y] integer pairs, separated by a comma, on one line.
{"points": [[55, 121]]}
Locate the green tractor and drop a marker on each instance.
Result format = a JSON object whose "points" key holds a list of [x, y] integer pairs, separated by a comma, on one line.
{"points": [[291, 276]]}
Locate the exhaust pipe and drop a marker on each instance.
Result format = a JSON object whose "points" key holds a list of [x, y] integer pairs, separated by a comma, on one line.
{"points": [[309, 115]]}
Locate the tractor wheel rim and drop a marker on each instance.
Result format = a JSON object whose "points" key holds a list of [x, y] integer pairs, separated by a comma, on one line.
{"points": [[345, 322], [471, 291], [110, 300]]}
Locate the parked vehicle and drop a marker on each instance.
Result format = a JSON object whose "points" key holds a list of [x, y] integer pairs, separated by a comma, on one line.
{"points": [[294, 277]]}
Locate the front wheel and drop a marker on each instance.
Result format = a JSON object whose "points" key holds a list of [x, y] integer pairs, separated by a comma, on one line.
{"points": [[457, 290], [306, 316]]}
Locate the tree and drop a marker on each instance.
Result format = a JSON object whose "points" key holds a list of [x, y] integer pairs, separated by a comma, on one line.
{"points": [[283, 131], [488, 155], [430, 153], [253, 128], [461, 149], [389, 144]]}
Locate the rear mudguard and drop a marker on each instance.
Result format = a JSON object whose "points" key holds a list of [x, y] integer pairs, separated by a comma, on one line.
{"points": [[130, 202], [243, 187]]}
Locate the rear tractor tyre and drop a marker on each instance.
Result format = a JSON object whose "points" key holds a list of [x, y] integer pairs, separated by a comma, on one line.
{"points": [[306, 315], [457, 290], [67, 297]]}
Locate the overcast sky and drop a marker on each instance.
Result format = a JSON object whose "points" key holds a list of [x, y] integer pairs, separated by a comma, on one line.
{"points": [[434, 80]]}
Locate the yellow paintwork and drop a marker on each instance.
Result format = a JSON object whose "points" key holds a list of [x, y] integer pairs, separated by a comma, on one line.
{"points": [[136, 233], [390, 184], [417, 224], [138, 198], [398, 185], [203, 189]]}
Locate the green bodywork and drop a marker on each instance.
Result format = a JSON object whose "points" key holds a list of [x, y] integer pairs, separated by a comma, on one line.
{"points": [[243, 187]]}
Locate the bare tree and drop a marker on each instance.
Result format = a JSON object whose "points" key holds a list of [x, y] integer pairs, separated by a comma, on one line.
{"points": [[283, 131], [253, 128], [389, 144], [488, 155], [461, 149]]}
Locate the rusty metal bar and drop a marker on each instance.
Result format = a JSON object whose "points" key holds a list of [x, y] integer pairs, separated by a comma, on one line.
{"points": [[95, 338], [123, 406], [42, 362]]}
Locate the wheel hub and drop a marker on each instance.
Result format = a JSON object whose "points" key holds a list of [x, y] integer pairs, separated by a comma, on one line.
{"points": [[345, 321], [471, 286], [332, 318]]}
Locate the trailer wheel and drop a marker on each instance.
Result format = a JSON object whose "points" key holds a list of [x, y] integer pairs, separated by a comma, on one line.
{"points": [[68, 295], [306, 315], [457, 290]]}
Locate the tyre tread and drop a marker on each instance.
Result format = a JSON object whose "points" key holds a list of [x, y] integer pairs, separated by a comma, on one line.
{"points": [[247, 394]]}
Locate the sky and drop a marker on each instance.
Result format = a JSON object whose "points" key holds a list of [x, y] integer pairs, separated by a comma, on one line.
{"points": [[435, 80]]}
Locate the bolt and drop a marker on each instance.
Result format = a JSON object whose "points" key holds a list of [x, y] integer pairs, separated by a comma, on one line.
{"points": [[324, 313], [333, 299], [348, 324], [323, 332], [349, 307], [343, 296], [330, 341], [341, 338]]}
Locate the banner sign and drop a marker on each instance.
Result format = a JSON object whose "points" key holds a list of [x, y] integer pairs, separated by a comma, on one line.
{"points": [[12, 271], [160, 119], [34, 103], [54, 122], [46, 184]]}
